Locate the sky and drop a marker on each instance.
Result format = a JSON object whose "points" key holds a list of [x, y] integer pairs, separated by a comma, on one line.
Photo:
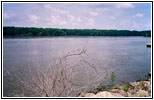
{"points": [[101, 15]]}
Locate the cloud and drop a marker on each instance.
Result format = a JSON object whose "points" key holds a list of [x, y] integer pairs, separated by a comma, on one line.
{"points": [[70, 15], [48, 6], [56, 10], [63, 19], [71, 18], [71, 21], [33, 18], [114, 5], [112, 17], [103, 9], [61, 11], [8, 16], [135, 25], [57, 20], [90, 22], [77, 21], [124, 5], [93, 13], [139, 15]]}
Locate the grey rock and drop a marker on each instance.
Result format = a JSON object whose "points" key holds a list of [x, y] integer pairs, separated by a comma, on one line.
{"points": [[87, 95], [141, 93], [104, 94], [134, 84], [121, 92]]}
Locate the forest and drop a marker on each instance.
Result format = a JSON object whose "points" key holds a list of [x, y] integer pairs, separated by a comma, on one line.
{"points": [[11, 31]]}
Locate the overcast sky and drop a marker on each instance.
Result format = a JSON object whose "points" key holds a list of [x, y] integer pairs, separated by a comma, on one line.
{"points": [[121, 16]]}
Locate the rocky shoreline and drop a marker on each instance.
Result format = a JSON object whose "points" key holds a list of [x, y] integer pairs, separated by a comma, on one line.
{"points": [[140, 88]]}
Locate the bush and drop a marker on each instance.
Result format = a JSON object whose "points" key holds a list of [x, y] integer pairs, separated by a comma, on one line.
{"points": [[126, 88], [112, 79]]}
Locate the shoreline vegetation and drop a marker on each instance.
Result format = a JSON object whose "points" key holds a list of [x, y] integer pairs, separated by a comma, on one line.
{"points": [[11, 31]]}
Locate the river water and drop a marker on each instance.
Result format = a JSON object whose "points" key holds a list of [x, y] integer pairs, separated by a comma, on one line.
{"points": [[127, 57]]}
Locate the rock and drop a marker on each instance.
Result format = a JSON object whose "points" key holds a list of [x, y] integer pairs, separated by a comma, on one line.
{"points": [[117, 95], [143, 85], [141, 93], [82, 94], [87, 95], [129, 94], [104, 94], [120, 86], [114, 90], [134, 84], [119, 91], [107, 94], [147, 85]]}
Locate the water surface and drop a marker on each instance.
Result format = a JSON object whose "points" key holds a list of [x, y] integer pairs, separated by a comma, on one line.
{"points": [[127, 57]]}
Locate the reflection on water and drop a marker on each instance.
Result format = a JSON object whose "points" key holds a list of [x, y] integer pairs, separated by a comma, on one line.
{"points": [[127, 57]]}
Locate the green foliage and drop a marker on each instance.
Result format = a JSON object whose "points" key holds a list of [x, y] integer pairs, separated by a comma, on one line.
{"points": [[112, 79], [31, 31], [126, 88]]}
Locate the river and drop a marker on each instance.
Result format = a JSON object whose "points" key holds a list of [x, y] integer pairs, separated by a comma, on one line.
{"points": [[127, 57]]}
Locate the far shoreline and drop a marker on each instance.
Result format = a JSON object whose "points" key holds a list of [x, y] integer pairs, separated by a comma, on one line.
{"points": [[52, 32], [33, 37]]}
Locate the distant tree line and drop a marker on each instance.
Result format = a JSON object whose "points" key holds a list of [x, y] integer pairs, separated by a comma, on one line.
{"points": [[33, 32]]}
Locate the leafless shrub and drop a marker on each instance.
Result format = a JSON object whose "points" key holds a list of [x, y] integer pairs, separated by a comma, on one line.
{"points": [[59, 81]]}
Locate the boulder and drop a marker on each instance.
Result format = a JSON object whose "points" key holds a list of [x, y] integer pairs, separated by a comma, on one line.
{"points": [[119, 91], [104, 94], [107, 94], [117, 95], [87, 95], [141, 93], [143, 85], [133, 84]]}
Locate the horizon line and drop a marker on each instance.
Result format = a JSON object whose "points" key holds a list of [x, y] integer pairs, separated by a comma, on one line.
{"points": [[79, 28]]}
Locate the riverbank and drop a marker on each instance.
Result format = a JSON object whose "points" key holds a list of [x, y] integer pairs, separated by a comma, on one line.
{"points": [[140, 88]]}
